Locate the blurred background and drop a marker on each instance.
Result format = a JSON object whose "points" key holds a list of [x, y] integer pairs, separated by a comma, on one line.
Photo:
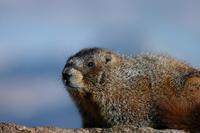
{"points": [[37, 36]]}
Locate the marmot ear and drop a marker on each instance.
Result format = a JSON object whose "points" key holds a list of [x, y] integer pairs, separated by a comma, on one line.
{"points": [[110, 58]]}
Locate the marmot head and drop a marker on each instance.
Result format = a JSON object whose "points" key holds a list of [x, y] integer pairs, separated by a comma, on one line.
{"points": [[86, 69]]}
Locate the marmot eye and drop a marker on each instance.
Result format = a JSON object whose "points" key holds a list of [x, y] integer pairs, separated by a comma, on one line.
{"points": [[90, 64]]}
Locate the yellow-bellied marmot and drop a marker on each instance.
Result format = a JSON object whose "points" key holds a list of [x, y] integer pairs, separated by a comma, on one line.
{"points": [[145, 90]]}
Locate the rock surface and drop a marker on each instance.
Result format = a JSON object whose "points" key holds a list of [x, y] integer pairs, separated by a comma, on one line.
{"points": [[13, 128]]}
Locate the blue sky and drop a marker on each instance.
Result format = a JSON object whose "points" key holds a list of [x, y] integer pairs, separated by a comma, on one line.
{"points": [[37, 36]]}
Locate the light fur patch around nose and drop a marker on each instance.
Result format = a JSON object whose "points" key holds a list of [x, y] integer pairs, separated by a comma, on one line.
{"points": [[76, 79]]}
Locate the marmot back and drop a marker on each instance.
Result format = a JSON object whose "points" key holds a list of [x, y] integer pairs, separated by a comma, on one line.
{"points": [[146, 90]]}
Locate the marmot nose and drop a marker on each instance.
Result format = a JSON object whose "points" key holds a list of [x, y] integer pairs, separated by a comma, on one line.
{"points": [[66, 76]]}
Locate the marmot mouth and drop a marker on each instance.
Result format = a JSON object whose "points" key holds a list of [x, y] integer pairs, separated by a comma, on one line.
{"points": [[71, 87], [68, 84]]}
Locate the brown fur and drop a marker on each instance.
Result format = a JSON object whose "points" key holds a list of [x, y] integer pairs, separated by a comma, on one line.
{"points": [[182, 112], [177, 113]]}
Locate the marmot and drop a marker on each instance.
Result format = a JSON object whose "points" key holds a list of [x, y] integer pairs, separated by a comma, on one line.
{"points": [[151, 90]]}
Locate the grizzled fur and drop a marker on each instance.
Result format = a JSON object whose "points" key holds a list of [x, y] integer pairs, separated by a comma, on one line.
{"points": [[145, 90]]}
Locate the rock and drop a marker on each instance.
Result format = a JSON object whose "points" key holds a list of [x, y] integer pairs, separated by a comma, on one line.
{"points": [[13, 128]]}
